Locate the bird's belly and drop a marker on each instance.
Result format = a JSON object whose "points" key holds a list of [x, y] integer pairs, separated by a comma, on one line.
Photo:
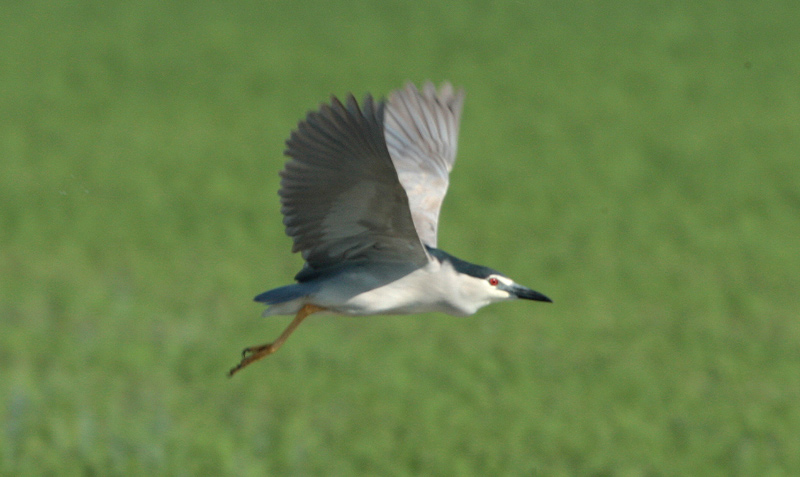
{"points": [[394, 302], [390, 289], [398, 298]]}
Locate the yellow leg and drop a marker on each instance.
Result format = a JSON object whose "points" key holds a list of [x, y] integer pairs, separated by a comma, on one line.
{"points": [[254, 353]]}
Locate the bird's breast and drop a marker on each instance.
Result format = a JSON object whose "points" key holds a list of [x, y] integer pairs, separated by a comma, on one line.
{"points": [[420, 291]]}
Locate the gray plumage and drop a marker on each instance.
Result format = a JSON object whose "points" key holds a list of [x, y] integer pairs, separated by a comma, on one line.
{"points": [[342, 201], [421, 134], [361, 195]]}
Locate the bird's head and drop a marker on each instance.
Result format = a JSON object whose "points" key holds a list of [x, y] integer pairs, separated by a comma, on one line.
{"points": [[492, 287], [478, 286]]}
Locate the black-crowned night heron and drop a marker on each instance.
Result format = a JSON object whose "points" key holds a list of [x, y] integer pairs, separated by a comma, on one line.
{"points": [[360, 197]]}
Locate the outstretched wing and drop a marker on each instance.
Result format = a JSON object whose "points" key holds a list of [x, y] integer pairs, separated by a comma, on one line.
{"points": [[421, 129], [340, 194]]}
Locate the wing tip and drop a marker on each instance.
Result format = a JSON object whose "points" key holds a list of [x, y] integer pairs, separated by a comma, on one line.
{"points": [[446, 94]]}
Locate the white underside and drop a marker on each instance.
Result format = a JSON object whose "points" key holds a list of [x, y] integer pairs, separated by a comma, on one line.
{"points": [[433, 288]]}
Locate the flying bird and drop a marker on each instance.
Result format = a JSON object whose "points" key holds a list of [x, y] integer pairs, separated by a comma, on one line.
{"points": [[360, 196]]}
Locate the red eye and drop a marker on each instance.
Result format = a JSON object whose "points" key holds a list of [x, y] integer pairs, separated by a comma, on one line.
{"points": [[493, 281]]}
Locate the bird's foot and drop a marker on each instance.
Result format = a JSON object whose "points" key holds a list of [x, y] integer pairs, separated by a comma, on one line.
{"points": [[254, 353], [251, 355]]}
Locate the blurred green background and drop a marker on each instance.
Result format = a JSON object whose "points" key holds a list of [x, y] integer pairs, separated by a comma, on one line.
{"points": [[635, 161]]}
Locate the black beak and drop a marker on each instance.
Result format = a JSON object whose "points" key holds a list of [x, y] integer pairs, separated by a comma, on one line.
{"points": [[527, 294]]}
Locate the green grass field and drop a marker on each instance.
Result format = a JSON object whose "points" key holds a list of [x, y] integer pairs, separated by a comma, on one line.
{"points": [[636, 163]]}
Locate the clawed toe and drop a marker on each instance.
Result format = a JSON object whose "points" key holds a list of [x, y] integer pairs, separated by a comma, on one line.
{"points": [[251, 350], [254, 353]]}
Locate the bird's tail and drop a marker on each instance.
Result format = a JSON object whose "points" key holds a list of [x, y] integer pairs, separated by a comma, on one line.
{"points": [[286, 300]]}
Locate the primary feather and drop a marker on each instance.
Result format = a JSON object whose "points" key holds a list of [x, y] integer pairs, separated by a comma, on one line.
{"points": [[421, 130], [341, 198]]}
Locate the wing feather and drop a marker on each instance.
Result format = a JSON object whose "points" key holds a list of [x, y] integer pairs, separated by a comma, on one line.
{"points": [[421, 130], [340, 194]]}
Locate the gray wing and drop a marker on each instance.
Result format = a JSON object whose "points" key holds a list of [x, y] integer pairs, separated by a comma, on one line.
{"points": [[421, 129], [340, 195]]}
